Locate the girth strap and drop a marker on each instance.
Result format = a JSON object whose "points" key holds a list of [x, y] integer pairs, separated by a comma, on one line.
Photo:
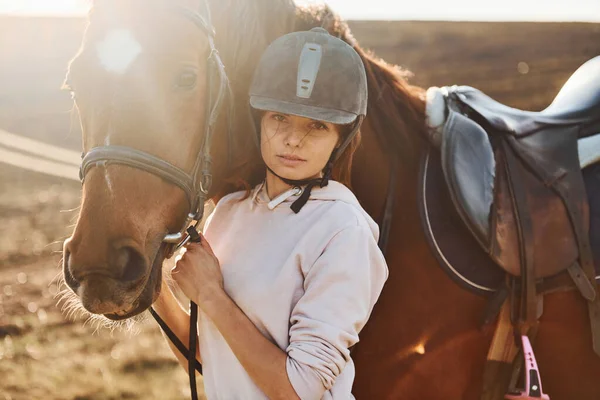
{"points": [[587, 263]]}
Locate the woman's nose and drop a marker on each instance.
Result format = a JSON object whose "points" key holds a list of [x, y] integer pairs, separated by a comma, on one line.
{"points": [[294, 137]]}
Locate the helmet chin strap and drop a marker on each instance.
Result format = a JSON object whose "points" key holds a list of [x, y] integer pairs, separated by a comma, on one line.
{"points": [[310, 183], [323, 181]]}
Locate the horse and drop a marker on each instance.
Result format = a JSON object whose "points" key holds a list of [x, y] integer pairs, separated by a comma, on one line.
{"points": [[140, 80]]}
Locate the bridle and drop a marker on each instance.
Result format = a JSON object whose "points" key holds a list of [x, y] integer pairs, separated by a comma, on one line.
{"points": [[196, 184]]}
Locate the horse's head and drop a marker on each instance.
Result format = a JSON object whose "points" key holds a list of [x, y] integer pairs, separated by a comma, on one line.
{"points": [[140, 83]]}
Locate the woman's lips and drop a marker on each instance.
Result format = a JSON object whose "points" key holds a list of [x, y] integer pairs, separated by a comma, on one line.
{"points": [[290, 161]]}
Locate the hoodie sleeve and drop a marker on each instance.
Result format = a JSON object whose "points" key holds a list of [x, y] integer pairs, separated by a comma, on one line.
{"points": [[340, 290]]}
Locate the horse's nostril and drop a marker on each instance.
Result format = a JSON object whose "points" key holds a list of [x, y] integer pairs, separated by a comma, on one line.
{"points": [[69, 279], [131, 263]]}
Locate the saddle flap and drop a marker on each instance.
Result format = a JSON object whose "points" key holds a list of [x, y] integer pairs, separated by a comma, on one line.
{"points": [[469, 168], [544, 210]]}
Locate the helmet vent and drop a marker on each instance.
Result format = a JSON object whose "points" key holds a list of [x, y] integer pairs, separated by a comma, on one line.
{"points": [[308, 68]]}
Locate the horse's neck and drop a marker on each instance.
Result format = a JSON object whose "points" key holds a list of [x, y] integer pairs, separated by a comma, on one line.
{"points": [[375, 165], [370, 173], [393, 135]]}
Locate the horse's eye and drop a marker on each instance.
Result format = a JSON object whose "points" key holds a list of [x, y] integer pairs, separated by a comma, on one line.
{"points": [[187, 79]]}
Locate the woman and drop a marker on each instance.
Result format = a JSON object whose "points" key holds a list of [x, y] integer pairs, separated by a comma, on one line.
{"points": [[287, 274]]}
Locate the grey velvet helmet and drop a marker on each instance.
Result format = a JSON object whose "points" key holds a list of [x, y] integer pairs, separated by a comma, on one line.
{"points": [[315, 75]]}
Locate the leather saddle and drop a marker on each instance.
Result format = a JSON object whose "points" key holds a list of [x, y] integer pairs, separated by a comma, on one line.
{"points": [[503, 193]]}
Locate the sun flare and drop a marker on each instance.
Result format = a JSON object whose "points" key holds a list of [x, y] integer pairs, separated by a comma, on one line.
{"points": [[44, 7]]}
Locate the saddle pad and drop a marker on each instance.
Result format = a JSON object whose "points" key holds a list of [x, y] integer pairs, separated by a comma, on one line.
{"points": [[456, 249]]}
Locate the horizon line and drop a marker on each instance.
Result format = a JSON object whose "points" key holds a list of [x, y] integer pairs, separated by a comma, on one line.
{"points": [[76, 15]]}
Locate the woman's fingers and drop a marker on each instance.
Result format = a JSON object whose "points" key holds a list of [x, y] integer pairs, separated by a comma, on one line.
{"points": [[203, 244], [193, 246]]}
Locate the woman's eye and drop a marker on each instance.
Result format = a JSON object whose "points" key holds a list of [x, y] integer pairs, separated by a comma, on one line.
{"points": [[320, 127], [278, 117]]}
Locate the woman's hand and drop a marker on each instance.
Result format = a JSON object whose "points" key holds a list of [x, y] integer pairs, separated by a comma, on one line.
{"points": [[198, 273]]}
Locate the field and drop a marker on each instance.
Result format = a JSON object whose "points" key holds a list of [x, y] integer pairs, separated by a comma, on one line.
{"points": [[47, 353]]}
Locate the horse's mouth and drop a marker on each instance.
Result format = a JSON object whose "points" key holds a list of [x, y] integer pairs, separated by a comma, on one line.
{"points": [[148, 294], [126, 314]]}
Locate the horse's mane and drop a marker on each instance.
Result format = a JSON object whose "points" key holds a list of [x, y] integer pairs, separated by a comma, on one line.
{"points": [[396, 109]]}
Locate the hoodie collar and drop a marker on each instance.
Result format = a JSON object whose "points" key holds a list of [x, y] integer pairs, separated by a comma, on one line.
{"points": [[333, 191], [260, 196]]}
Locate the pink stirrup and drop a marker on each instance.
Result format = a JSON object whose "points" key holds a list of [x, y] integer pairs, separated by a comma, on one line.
{"points": [[533, 382]]}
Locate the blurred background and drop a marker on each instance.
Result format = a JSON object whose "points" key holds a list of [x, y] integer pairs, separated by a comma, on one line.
{"points": [[520, 52]]}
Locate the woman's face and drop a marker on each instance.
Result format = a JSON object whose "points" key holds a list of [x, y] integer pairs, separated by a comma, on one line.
{"points": [[296, 147]]}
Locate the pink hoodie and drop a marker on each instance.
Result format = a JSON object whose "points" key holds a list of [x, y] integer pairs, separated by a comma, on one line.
{"points": [[308, 282]]}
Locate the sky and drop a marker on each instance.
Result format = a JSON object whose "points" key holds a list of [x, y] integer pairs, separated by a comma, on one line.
{"points": [[467, 10]]}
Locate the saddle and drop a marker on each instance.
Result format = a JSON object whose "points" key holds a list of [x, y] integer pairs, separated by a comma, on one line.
{"points": [[503, 195]]}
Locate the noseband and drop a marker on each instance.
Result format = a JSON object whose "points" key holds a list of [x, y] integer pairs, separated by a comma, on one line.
{"points": [[196, 184]]}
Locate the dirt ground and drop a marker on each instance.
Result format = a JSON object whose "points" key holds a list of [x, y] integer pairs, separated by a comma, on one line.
{"points": [[45, 353]]}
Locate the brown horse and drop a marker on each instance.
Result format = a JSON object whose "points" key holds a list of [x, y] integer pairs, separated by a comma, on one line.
{"points": [[138, 81]]}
